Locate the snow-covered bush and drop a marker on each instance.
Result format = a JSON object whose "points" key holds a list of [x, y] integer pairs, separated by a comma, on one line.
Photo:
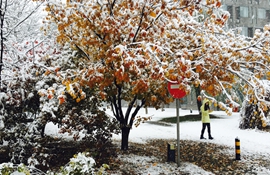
{"points": [[11, 169], [22, 49], [253, 117], [254, 113], [81, 164]]}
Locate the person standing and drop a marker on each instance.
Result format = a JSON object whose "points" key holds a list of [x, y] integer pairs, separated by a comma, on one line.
{"points": [[205, 110]]}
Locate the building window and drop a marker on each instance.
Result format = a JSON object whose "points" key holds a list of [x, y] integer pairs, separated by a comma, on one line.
{"points": [[244, 31], [241, 12], [250, 32], [230, 9], [244, 11], [268, 15], [261, 13]]}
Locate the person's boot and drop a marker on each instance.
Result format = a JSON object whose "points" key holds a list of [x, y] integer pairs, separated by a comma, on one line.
{"points": [[202, 137], [210, 137]]}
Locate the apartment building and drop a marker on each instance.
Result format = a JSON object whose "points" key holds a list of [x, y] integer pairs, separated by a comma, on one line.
{"points": [[247, 14]]}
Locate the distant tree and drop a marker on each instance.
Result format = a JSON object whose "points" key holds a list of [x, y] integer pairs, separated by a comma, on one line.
{"points": [[132, 48]]}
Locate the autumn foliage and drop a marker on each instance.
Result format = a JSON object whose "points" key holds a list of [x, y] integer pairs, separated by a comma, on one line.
{"points": [[130, 49]]}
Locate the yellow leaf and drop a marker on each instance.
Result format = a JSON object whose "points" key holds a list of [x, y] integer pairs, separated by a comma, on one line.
{"points": [[47, 72], [153, 14], [250, 91], [47, 9], [67, 87]]}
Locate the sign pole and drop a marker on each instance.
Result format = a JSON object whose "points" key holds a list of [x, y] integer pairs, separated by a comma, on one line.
{"points": [[177, 93], [178, 136]]}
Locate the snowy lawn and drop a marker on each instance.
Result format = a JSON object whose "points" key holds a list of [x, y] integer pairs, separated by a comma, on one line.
{"points": [[224, 130]]}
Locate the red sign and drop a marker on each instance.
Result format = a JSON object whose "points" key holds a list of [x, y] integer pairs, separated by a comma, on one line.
{"points": [[175, 91]]}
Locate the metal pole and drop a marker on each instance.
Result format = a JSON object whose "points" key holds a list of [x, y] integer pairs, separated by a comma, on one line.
{"points": [[178, 137]]}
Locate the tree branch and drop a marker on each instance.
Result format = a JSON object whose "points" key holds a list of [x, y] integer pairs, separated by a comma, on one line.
{"points": [[24, 19], [138, 107], [70, 36], [139, 27]]}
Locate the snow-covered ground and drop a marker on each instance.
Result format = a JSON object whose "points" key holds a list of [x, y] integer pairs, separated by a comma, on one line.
{"points": [[224, 131]]}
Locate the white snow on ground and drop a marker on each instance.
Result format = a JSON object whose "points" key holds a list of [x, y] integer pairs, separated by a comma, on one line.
{"points": [[149, 167], [224, 131]]}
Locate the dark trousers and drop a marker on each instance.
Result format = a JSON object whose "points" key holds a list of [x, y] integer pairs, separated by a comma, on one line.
{"points": [[204, 125]]}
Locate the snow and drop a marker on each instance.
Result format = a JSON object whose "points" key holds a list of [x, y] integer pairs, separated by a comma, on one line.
{"points": [[224, 131], [156, 169]]}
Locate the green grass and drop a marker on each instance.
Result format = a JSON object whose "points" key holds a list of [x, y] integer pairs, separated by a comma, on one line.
{"points": [[191, 117]]}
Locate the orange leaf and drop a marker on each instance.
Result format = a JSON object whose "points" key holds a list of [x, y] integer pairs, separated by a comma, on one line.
{"points": [[61, 100], [218, 4], [153, 14], [47, 72], [57, 69], [50, 96], [210, 87], [198, 68]]}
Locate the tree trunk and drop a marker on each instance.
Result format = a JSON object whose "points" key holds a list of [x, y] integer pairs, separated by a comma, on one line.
{"points": [[199, 102], [2, 15], [125, 135]]}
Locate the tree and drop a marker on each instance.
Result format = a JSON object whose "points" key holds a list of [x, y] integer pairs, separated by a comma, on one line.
{"points": [[31, 89], [19, 54], [116, 81], [132, 48]]}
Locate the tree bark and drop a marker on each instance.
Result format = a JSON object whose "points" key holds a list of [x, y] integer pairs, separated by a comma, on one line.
{"points": [[2, 18], [199, 102], [125, 136]]}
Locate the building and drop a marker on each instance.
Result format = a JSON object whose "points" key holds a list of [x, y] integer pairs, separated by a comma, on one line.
{"points": [[247, 14]]}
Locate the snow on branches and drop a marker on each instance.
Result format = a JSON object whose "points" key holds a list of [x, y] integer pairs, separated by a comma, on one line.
{"points": [[134, 47]]}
